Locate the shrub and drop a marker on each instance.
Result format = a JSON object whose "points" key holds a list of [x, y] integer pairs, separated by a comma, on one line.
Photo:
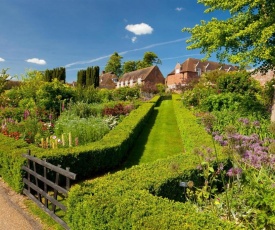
{"points": [[237, 82], [117, 110], [86, 161], [144, 196], [126, 93]]}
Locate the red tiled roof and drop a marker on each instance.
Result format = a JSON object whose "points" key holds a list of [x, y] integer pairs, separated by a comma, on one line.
{"points": [[191, 64]]}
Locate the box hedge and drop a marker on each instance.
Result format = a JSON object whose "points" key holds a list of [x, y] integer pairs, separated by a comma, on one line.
{"points": [[86, 161], [146, 196]]}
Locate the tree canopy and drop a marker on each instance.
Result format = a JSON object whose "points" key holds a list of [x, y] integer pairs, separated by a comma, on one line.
{"points": [[129, 66], [246, 37], [4, 77], [114, 64], [149, 59]]}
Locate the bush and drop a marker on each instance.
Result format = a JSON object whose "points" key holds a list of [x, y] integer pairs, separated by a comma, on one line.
{"points": [[86, 161], [144, 196], [237, 82]]}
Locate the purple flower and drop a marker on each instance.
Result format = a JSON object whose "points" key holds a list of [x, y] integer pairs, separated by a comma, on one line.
{"points": [[245, 121], [26, 114], [234, 172], [256, 124]]}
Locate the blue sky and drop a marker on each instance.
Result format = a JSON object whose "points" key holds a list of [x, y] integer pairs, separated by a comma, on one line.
{"points": [[46, 34]]}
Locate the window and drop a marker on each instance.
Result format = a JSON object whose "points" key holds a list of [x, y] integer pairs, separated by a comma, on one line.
{"points": [[199, 72]]}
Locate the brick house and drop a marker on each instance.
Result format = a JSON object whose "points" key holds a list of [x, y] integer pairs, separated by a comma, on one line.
{"points": [[150, 74], [108, 80], [191, 69], [263, 78]]}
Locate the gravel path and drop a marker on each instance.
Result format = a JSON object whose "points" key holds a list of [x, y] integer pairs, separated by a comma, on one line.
{"points": [[13, 213]]}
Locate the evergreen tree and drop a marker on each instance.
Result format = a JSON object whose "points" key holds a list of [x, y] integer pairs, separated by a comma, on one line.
{"points": [[48, 75], [81, 78], [96, 76], [59, 73], [89, 76]]}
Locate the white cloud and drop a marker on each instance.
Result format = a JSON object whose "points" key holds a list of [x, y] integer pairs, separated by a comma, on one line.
{"points": [[2, 59], [36, 61], [140, 29], [179, 9], [134, 39]]}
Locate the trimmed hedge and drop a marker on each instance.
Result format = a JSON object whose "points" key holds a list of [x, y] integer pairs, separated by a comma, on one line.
{"points": [[146, 196], [86, 161]]}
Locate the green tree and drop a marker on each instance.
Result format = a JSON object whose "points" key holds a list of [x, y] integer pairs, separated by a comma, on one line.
{"points": [[81, 78], [114, 64], [48, 75], [89, 76], [96, 76], [246, 37], [129, 66], [4, 77], [149, 59], [58, 73]]}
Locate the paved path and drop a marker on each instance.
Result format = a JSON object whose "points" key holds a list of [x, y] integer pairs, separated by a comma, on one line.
{"points": [[13, 213]]}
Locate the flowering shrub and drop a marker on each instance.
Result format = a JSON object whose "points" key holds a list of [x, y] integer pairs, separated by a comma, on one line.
{"points": [[118, 109], [248, 183]]}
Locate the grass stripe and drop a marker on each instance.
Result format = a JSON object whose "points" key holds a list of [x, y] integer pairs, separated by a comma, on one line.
{"points": [[160, 137]]}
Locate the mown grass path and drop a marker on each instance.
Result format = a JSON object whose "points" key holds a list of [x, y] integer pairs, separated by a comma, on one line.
{"points": [[160, 137]]}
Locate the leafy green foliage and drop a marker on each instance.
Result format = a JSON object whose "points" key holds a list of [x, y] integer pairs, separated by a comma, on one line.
{"points": [[114, 64], [149, 59], [4, 77], [129, 66], [137, 197], [245, 37], [230, 91], [86, 161], [51, 95], [268, 94], [126, 93], [237, 82], [85, 130]]}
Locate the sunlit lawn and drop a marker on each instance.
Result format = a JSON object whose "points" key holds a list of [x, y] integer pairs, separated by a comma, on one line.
{"points": [[160, 137]]}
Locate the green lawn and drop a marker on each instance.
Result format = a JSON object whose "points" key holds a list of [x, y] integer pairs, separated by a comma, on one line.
{"points": [[160, 137]]}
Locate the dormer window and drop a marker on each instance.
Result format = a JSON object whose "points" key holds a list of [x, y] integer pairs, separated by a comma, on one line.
{"points": [[177, 68], [199, 72], [206, 67]]}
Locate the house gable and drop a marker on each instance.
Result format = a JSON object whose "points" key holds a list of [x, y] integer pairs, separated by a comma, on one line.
{"points": [[192, 69], [108, 80]]}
